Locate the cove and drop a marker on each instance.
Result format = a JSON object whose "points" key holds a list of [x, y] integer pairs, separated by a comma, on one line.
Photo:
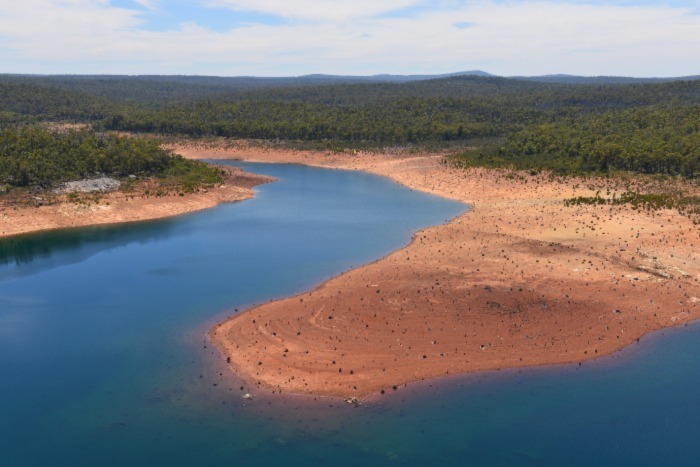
{"points": [[99, 362]]}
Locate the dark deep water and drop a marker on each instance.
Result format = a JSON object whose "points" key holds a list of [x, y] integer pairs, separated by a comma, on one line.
{"points": [[102, 359]]}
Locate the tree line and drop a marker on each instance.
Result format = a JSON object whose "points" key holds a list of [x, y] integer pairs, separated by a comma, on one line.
{"points": [[32, 156], [661, 139], [642, 127]]}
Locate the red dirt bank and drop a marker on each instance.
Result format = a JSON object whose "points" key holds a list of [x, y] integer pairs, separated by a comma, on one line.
{"points": [[521, 280]]}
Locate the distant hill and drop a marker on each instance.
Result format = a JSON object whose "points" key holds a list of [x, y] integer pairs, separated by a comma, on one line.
{"points": [[572, 79], [163, 90], [246, 81], [387, 78]]}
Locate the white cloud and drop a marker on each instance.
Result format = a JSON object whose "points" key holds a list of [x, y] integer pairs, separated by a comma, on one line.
{"points": [[90, 36], [147, 4], [329, 10], [44, 21]]}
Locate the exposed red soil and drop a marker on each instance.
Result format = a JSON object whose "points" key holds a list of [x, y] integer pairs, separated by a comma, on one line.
{"points": [[520, 280]]}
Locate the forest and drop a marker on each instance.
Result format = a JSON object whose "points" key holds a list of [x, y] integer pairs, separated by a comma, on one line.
{"points": [[661, 139], [32, 156], [567, 125]]}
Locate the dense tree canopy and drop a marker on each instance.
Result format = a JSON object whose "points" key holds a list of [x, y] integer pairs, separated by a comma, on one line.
{"points": [[20, 102], [652, 140], [598, 126], [451, 109], [37, 157]]}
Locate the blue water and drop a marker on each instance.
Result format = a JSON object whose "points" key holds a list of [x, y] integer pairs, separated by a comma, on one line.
{"points": [[103, 358]]}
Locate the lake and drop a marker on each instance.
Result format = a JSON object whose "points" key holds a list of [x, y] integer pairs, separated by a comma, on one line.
{"points": [[104, 359]]}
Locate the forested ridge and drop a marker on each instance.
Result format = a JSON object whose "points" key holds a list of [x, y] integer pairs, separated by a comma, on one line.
{"points": [[636, 126], [663, 139], [451, 109], [32, 156], [30, 103]]}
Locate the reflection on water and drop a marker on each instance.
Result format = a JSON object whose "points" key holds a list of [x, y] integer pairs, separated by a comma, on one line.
{"points": [[57, 248]]}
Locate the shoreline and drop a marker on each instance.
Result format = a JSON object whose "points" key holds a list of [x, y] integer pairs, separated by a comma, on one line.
{"points": [[518, 281], [125, 207]]}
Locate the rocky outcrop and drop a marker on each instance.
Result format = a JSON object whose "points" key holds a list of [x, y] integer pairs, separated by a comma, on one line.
{"points": [[104, 184]]}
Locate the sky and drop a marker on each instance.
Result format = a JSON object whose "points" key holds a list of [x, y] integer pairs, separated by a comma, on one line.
{"points": [[640, 38]]}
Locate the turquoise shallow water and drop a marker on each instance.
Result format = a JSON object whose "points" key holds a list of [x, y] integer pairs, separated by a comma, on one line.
{"points": [[102, 358]]}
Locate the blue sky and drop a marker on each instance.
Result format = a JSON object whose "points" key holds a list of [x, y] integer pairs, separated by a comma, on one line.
{"points": [[295, 37]]}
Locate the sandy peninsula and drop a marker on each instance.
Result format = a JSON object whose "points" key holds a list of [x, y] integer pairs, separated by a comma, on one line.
{"points": [[117, 207], [520, 280]]}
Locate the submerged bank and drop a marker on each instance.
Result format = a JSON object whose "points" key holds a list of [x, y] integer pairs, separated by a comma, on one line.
{"points": [[521, 280]]}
